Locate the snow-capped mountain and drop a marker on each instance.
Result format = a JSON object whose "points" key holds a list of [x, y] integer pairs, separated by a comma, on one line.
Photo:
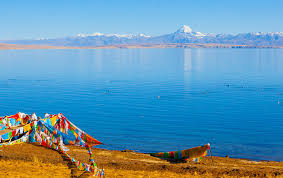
{"points": [[186, 35], [186, 31], [183, 35]]}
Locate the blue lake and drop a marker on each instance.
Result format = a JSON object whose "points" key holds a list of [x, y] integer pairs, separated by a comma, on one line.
{"points": [[152, 100]]}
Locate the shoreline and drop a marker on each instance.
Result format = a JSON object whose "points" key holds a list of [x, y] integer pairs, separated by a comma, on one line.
{"points": [[34, 160], [5, 46]]}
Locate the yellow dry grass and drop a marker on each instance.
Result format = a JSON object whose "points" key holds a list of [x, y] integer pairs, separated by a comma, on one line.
{"points": [[19, 168]]}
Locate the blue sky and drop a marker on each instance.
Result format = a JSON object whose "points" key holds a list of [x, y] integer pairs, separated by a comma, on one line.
{"points": [[24, 19]]}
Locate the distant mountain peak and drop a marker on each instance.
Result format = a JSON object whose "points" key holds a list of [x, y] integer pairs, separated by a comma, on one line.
{"points": [[185, 29]]}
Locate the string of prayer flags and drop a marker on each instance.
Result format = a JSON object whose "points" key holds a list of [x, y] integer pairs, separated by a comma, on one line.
{"points": [[195, 153], [53, 131]]}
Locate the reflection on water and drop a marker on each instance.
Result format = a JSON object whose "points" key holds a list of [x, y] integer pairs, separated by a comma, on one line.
{"points": [[187, 60], [155, 99]]}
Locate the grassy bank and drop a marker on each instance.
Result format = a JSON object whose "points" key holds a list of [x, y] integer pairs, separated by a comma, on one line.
{"points": [[26, 160]]}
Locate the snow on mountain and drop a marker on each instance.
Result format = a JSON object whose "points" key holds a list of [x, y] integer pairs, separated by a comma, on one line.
{"points": [[184, 29], [97, 34], [186, 33], [86, 35], [143, 35]]}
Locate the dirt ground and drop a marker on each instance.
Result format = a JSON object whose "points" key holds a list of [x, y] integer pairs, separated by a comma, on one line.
{"points": [[28, 160]]}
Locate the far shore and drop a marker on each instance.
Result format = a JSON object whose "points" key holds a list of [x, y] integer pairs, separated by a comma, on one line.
{"points": [[30, 160], [4, 46]]}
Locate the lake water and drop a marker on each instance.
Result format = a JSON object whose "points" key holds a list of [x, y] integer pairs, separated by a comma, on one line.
{"points": [[152, 100]]}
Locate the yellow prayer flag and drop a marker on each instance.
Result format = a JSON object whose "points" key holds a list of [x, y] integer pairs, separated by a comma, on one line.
{"points": [[53, 120], [27, 127]]}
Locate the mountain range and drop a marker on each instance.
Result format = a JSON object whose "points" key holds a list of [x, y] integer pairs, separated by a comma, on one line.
{"points": [[184, 35]]}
